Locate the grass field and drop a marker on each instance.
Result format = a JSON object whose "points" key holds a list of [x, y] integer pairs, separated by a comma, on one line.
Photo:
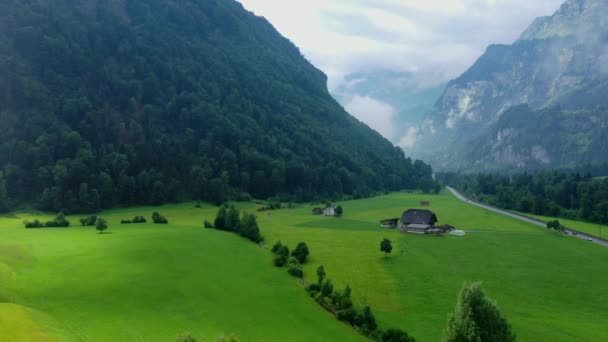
{"points": [[152, 282], [149, 283], [551, 288]]}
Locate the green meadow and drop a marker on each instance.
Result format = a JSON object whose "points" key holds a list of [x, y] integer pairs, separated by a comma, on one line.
{"points": [[150, 282]]}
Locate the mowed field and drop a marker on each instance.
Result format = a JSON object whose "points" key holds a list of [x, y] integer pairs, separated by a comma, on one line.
{"points": [[149, 282], [550, 287]]}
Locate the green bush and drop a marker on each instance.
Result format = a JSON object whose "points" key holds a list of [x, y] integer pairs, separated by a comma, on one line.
{"points": [[295, 270], [301, 252], [88, 221], [396, 335], [275, 248], [33, 224], [139, 219], [207, 224], [158, 218], [59, 221], [280, 261]]}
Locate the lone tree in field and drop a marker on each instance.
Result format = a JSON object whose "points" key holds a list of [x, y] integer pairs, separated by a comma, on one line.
{"points": [[477, 319], [386, 246], [102, 225]]}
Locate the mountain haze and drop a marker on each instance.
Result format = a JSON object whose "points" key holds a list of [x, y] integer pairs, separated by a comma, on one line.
{"points": [[558, 69], [106, 103]]}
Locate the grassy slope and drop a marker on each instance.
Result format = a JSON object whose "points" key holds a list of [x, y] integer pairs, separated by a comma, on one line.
{"points": [[550, 287], [150, 282], [139, 281]]}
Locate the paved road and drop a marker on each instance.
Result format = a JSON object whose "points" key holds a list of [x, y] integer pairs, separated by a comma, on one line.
{"points": [[538, 223]]}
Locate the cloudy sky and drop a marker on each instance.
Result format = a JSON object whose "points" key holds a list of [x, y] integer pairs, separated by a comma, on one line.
{"points": [[434, 40]]}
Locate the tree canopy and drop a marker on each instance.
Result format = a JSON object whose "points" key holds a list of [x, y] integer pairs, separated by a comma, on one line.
{"points": [[477, 319]]}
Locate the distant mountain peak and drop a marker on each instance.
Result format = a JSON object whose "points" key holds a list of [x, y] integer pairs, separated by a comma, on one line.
{"points": [[574, 17]]}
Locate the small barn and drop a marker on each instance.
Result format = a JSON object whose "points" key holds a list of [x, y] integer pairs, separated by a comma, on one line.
{"points": [[418, 221], [390, 223]]}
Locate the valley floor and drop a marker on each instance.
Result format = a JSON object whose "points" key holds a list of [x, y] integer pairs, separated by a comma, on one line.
{"points": [[152, 282]]}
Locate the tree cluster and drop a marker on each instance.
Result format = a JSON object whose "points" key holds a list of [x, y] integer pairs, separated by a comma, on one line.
{"points": [[135, 220], [295, 261], [555, 194], [58, 222], [119, 104], [230, 219], [339, 303], [88, 221]]}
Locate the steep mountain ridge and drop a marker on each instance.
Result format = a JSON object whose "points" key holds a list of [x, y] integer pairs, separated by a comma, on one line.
{"points": [[559, 62], [114, 102]]}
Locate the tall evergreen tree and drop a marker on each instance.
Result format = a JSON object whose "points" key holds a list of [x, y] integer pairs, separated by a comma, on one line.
{"points": [[477, 319]]}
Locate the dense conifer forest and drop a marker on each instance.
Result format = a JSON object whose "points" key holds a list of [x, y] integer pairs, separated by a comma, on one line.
{"points": [[557, 194], [116, 103]]}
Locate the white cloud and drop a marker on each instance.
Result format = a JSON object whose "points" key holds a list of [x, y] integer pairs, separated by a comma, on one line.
{"points": [[432, 41], [378, 115], [410, 138], [437, 39]]}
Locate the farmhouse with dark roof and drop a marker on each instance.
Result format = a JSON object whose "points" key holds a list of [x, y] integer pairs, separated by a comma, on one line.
{"points": [[418, 221]]}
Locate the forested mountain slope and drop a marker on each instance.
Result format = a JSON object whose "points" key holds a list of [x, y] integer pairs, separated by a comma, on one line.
{"points": [[558, 69], [115, 102]]}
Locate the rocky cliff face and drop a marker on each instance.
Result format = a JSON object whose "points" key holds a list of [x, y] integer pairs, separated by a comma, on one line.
{"points": [[559, 62]]}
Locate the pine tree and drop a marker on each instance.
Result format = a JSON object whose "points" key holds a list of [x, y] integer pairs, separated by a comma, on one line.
{"points": [[477, 319]]}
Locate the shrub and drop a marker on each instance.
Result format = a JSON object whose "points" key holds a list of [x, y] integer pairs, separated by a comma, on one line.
{"points": [[301, 252], [158, 218], [185, 337], [139, 219], [347, 315], [295, 270], [125, 222], [327, 288], [280, 261], [33, 224], [320, 274], [396, 335], [220, 219], [88, 221], [313, 288], [207, 224], [59, 221], [275, 248]]}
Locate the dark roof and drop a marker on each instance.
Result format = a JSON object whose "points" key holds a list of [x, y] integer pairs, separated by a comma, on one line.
{"points": [[418, 216]]}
